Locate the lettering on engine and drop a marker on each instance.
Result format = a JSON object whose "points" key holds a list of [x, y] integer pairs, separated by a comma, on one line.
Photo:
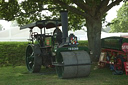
{"points": [[73, 48]]}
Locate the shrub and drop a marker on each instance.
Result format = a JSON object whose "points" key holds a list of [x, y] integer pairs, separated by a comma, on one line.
{"points": [[12, 53], [83, 43]]}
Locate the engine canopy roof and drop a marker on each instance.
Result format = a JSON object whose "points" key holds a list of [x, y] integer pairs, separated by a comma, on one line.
{"points": [[42, 24]]}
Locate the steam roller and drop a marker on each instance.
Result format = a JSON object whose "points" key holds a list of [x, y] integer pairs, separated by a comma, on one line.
{"points": [[72, 60], [58, 49]]}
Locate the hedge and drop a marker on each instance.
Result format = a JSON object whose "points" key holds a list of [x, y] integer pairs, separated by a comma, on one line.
{"points": [[13, 53], [83, 43]]}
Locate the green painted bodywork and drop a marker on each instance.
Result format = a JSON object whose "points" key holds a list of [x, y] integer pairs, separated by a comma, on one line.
{"points": [[113, 42]]}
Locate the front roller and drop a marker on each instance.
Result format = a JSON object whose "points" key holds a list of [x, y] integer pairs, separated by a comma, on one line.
{"points": [[73, 64]]}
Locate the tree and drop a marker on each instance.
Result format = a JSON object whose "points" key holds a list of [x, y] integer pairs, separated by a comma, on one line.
{"points": [[9, 10], [120, 24], [81, 12]]}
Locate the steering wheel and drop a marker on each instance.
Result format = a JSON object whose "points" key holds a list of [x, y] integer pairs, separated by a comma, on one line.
{"points": [[33, 34]]}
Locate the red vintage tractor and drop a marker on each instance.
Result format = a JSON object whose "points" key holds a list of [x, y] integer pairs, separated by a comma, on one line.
{"points": [[114, 54]]}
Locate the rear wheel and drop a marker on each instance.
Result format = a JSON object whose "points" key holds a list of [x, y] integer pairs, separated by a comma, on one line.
{"points": [[33, 60]]}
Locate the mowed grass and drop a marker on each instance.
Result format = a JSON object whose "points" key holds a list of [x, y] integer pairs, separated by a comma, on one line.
{"points": [[20, 76]]}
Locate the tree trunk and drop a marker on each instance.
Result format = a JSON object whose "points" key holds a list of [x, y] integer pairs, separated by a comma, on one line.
{"points": [[94, 37]]}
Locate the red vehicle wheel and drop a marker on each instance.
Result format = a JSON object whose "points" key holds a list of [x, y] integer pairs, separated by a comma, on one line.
{"points": [[119, 63]]}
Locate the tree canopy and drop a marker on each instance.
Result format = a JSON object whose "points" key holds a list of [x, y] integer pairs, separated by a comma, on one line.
{"points": [[120, 24], [80, 12], [29, 11]]}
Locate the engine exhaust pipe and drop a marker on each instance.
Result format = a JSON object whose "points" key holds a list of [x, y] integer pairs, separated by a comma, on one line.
{"points": [[64, 21]]}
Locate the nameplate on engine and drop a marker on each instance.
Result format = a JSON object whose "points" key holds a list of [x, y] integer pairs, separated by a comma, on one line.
{"points": [[73, 48]]}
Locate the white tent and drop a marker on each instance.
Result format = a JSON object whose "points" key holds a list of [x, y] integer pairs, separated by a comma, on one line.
{"points": [[15, 34]]}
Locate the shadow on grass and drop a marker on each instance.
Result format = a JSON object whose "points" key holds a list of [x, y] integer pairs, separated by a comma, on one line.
{"points": [[43, 71], [48, 71]]}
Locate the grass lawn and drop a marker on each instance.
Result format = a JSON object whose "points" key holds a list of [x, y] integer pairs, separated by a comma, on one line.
{"points": [[20, 76]]}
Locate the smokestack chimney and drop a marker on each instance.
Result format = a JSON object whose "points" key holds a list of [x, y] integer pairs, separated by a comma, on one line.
{"points": [[64, 21]]}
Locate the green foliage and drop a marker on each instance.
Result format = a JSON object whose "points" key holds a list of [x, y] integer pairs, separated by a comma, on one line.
{"points": [[76, 22], [12, 53], [30, 11], [83, 43], [120, 24], [9, 10]]}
